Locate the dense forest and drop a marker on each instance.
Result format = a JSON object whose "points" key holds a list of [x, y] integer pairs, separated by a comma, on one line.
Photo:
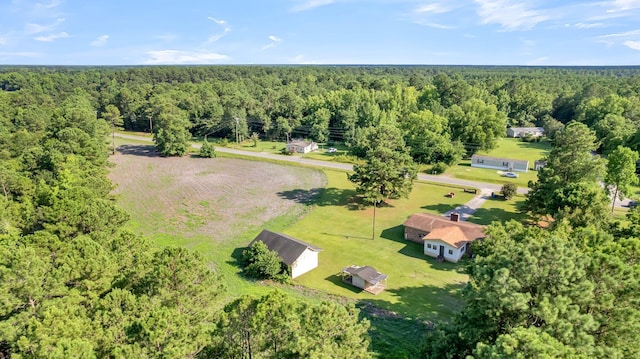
{"points": [[75, 283]]}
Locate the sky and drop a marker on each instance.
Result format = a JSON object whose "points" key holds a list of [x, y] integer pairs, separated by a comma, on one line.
{"points": [[441, 32]]}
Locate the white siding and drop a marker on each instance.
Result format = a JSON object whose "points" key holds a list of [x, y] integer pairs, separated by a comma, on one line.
{"points": [[357, 282], [306, 262], [434, 251]]}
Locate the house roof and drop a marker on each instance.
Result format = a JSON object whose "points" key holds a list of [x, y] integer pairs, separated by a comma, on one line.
{"points": [[369, 274], [288, 248], [299, 143], [442, 228], [499, 159], [528, 129]]}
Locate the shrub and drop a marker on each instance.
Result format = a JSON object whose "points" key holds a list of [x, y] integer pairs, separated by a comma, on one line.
{"points": [[438, 168], [261, 263], [207, 150], [286, 152], [509, 190]]}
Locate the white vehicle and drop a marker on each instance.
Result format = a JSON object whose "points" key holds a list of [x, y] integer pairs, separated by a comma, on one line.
{"points": [[510, 175], [332, 150]]}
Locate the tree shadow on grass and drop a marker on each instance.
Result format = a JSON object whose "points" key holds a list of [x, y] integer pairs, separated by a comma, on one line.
{"points": [[325, 197], [139, 150], [393, 335], [441, 207], [336, 279], [431, 302]]}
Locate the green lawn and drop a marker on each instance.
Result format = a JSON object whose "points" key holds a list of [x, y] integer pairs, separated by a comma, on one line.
{"points": [[500, 210], [507, 148], [417, 286]]}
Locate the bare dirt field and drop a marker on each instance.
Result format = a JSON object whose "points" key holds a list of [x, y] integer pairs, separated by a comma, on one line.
{"points": [[218, 198]]}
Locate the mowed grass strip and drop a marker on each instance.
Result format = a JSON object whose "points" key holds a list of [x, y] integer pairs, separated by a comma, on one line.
{"points": [[418, 286]]}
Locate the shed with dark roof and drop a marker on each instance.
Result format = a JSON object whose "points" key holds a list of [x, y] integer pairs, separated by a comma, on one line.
{"points": [[300, 256], [367, 278]]}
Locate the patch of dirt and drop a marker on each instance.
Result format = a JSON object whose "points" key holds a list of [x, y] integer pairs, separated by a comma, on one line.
{"points": [[219, 197]]}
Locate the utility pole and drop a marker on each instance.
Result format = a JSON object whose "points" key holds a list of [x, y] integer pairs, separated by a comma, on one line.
{"points": [[373, 233], [237, 135]]}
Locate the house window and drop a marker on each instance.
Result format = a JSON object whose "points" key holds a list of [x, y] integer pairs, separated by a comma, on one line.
{"points": [[505, 163], [462, 249], [450, 251], [428, 245], [480, 161]]}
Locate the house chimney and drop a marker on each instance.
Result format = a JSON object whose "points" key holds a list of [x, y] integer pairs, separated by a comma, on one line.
{"points": [[455, 217]]}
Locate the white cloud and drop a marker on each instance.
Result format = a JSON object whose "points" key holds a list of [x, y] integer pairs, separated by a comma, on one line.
{"points": [[623, 5], [51, 5], [301, 60], [434, 25], [582, 25], [311, 4], [177, 57], [166, 37], [274, 41], [52, 37], [3, 40], [32, 28], [221, 22], [433, 8], [511, 15], [622, 34], [538, 61], [215, 37], [100, 41], [20, 54], [635, 45]]}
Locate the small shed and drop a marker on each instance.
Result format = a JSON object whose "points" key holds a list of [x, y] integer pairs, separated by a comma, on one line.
{"points": [[538, 164], [366, 278], [299, 256], [505, 164], [300, 146]]}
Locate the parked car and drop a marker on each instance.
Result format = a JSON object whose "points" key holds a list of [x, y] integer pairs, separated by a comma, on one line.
{"points": [[510, 175], [332, 150], [633, 204]]}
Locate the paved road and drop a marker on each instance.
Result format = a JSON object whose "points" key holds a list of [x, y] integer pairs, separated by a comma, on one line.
{"points": [[466, 210], [336, 165]]}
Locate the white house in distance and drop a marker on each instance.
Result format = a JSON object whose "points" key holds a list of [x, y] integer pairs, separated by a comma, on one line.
{"points": [[443, 238], [300, 146], [505, 164], [524, 131], [301, 257]]}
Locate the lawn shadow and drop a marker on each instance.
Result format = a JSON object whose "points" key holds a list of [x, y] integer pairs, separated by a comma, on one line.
{"points": [[432, 302], [396, 234], [486, 216], [336, 279], [328, 197], [392, 335], [138, 150], [441, 207], [236, 257]]}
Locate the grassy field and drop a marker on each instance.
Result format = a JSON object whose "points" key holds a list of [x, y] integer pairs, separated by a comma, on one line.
{"points": [[500, 210], [419, 287], [507, 148]]}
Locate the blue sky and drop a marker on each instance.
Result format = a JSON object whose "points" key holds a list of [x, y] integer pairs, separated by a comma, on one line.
{"points": [[461, 32]]}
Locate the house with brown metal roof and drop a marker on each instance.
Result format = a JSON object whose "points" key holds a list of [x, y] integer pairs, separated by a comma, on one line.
{"points": [[446, 238], [367, 278], [299, 256]]}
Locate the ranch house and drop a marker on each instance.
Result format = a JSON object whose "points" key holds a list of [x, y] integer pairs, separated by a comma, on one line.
{"points": [[443, 238], [299, 256], [300, 146], [505, 164], [524, 131]]}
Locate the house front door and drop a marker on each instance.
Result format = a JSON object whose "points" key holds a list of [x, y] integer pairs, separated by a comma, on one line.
{"points": [[441, 251]]}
